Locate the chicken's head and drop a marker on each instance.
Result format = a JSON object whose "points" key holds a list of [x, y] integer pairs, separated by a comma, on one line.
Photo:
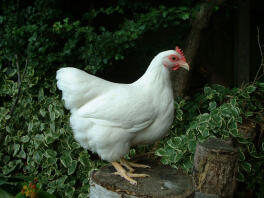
{"points": [[175, 60]]}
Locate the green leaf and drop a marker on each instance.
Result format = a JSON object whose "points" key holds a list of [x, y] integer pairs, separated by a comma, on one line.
{"points": [[52, 127], [188, 165], [51, 113], [16, 148], [37, 156], [226, 112], [38, 139], [232, 124], [72, 167], [243, 141], [30, 126], [50, 153], [192, 145], [66, 160], [234, 132], [204, 117], [261, 84], [185, 16], [161, 152], [233, 102], [52, 116], [69, 191], [212, 105], [246, 166], [84, 158], [42, 112], [25, 139], [241, 155], [250, 89], [51, 137], [249, 114], [61, 181], [165, 161], [202, 127], [205, 132], [240, 176], [174, 142], [207, 90], [177, 157], [11, 166], [22, 154], [75, 145]]}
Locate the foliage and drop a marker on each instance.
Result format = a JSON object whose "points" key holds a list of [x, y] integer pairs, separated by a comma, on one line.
{"points": [[37, 38], [222, 113]]}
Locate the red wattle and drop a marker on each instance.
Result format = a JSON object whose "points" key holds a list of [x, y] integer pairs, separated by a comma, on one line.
{"points": [[175, 67]]}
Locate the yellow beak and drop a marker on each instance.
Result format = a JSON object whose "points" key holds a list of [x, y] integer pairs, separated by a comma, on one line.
{"points": [[185, 66]]}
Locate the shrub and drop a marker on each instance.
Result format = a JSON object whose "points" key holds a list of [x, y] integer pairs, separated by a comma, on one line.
{"points": [[223, 113]]}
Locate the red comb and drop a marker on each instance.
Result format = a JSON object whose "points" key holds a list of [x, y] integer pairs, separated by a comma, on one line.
{"points": [[179, 51]]}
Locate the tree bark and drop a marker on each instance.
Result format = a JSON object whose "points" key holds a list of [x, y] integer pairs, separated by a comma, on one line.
{"points": [[164, 182], [199, 23], [215, 167], [242, 43]]}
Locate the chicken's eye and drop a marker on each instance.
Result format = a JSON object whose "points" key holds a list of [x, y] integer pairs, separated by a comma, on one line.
{"points": [[173, 58]]}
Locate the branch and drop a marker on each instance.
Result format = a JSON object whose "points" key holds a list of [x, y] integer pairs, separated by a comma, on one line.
{"points": [[199, 23], [19, 83], [257, 77]]}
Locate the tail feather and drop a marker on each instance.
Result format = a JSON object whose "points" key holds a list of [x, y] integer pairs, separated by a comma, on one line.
{"points": [[76, 87]]}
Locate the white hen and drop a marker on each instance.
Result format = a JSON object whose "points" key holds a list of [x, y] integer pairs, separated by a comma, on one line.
{"points": [[108, 118]]}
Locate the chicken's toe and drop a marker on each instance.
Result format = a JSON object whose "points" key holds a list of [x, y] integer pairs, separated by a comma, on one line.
{"points": [[122, 172], [133, 164], [137, 175]]}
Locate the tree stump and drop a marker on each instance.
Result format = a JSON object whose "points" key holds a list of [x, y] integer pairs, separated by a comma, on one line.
{"points": [[164, 182], [215, 167]]}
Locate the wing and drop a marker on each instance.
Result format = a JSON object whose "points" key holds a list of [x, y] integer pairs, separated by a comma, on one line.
{"points": [[124, 106]]}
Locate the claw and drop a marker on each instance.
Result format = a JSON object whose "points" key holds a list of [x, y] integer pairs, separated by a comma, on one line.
{"points": [[129, 165], [127, 175]]}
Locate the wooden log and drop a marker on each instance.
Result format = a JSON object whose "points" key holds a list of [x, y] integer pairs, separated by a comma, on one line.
{"points": [[164, 182], [215, 167]]}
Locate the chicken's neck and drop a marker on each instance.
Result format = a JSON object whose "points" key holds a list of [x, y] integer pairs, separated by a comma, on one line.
{"points": [[156, 74]]}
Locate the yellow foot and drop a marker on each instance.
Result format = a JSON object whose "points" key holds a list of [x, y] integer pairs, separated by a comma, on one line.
{"points": [[129, 165], [122, 172]]}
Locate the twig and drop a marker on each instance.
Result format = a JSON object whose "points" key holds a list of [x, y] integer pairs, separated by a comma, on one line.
{"points": [[22, 77], [19, 83], [262, 59]]}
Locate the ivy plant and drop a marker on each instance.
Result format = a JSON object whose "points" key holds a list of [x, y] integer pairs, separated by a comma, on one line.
{"points": [[220, 112]]}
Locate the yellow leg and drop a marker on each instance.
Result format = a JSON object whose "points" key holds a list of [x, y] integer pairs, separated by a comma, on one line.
{"points": [[125, 164], [122, 172]]}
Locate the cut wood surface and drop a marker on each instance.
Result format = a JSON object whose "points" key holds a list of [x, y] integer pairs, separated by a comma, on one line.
{"points": [[164, 182], [215, 167]]}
